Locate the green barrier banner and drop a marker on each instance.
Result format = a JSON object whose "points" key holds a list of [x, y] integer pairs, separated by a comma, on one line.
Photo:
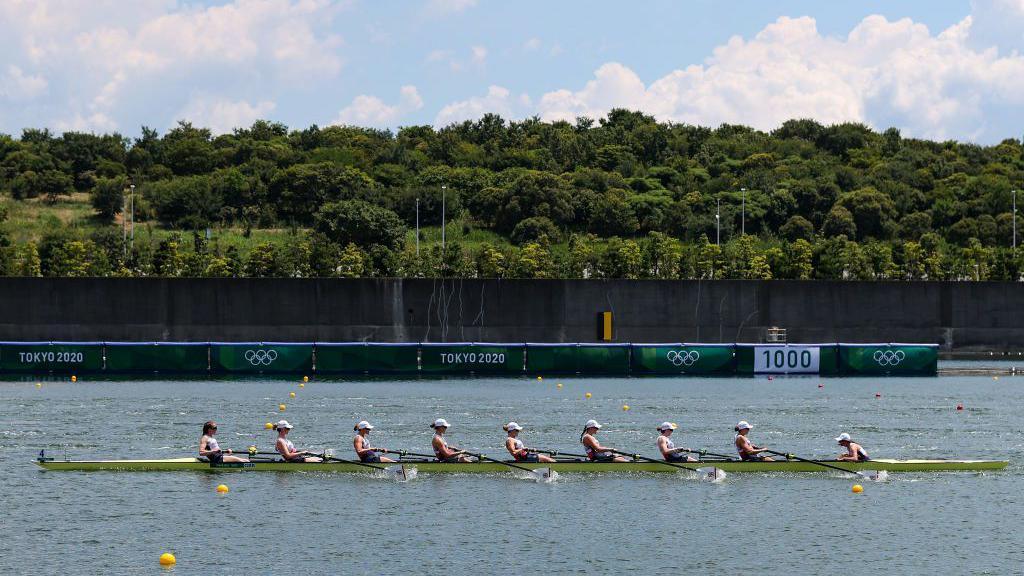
{"points": [[475, 358], [786, 359], [604, 359], [51, 356], [681, 359], [157, 357], [552, 358], [885, 359], [261, 357], [367, 358]]}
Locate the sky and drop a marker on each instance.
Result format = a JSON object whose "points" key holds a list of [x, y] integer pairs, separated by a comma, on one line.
{"points": [[939, 69]]}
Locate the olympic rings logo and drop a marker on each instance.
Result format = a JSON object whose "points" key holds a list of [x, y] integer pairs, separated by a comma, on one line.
{"points": [[260, 357], [684, 358], [889, 357]]}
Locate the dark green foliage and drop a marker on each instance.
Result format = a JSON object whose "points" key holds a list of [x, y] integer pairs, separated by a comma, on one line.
{"points": [[360, 223], [634, 197]]}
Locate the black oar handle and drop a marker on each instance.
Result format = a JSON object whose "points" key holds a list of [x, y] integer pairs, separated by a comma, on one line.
{"points": [[495, 460], [556, 453], [822, 464], [356, 462], [703, 452], [656, 461]]}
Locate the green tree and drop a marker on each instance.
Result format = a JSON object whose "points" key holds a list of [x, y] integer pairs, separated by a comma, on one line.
{"points": [[361, 223], [351, 262], [839, 222], [107, 196], [263, 262]]}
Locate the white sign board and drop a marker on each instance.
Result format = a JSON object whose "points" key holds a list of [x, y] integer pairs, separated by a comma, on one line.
{"points": [[786, 359]]}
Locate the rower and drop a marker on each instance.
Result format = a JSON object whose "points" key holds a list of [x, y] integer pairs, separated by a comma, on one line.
{"points": [[285, 447], [442, 451], [361, 442], [749, 452], [854, 452], [596, 452], [516, 448], [667, 448], [210, 449]]}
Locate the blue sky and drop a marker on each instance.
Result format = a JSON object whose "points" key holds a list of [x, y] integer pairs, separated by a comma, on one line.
{"points": [[949, 69]]}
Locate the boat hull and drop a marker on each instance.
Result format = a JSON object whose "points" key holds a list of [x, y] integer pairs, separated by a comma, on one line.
{"points": [[180, 464]]}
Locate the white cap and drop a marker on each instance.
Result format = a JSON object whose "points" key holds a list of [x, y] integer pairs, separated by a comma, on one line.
{"points": [[667, 426], [364, 425], [440, 423], [512, 426], [844, 437], [283, 424], [744, 425], [591, 424]]}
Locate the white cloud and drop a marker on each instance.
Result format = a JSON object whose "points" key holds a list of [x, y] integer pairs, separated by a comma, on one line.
{"points": [[222, 115], [448, 6], [114, 57], [498, 101], [885, 73], [532, 45], [96, 122], [372, 111], [18, 86], [479, 55]]}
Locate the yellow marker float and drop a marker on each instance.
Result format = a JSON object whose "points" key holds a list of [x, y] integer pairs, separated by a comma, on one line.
{"points": [[168, 559]]}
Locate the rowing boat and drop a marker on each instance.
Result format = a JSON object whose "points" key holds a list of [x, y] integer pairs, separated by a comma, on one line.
{"points": [[427, 466]]}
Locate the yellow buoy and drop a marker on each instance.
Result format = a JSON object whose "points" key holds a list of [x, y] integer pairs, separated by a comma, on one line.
{"points": [[74, 378], [301, 385], [625, 406], [305, 378], [588, 394], [268, 426], [857, 488], [223, 489], [281, 407], [291, 394], [39, 384], [539, 378], [168, 559], [559, 385], [995, 377]]}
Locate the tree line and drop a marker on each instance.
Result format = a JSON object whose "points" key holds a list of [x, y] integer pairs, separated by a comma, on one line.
{"points": [[621, 197]]}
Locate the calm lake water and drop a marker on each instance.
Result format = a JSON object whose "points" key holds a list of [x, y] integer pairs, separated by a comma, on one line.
{"points": [[322, 523]]}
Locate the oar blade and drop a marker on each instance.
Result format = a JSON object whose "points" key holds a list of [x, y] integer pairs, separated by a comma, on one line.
{"points": [[545, 475], [711, 474], [400, 472], [874, 475]]}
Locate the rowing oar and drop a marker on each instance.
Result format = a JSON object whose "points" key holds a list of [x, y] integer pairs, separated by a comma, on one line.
{"points": [[398, 471], [556, 453], [539, 474], [869, 474], [709, 473], [705, 453]]}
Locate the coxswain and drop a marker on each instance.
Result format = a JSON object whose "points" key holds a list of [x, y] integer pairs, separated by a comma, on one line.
{"points": [[361, 442], [442, 451], [596, 452], [748, 451], [668, 450], [854, 452], [285, 447], [210, 449], [516, 448]]}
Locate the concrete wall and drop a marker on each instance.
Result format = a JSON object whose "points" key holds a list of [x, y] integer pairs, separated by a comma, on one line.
{"points": [[959, 316]]}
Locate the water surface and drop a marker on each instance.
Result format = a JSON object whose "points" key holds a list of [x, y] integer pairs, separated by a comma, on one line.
{"points": [[323, 523]]}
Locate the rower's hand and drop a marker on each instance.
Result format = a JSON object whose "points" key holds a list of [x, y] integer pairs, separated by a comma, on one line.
{"points": [[229, 450], [384, 450]]}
